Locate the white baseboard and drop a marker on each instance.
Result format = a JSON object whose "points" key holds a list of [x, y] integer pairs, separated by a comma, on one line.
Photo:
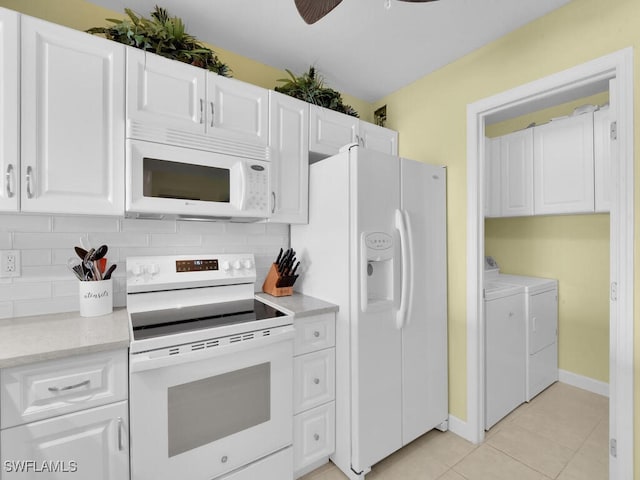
{"points": [[585, 383], [461, 428]]}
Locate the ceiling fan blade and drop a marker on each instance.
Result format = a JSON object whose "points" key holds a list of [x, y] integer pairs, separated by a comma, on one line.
{"points": [[313, 10]]}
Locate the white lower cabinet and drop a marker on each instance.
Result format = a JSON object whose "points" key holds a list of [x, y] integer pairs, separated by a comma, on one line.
{"points": [[91, 444], [314, 434], [66, 418], [314, 392]]}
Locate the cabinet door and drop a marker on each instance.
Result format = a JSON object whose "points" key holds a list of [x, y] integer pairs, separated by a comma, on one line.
{"points": [[72, 121], [602, 159], [374, 137], [88, 444], [329, 130], [164, 92], [563, 151], [237, 110], [313, 436], [516, 173], [289, 142], [492, 177], [9, 113], [313, 379]]}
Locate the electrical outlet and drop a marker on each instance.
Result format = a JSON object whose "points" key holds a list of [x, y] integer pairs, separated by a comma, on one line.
{"points": [[9, 263]]}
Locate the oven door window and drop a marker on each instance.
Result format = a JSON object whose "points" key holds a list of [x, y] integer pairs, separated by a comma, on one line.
{"points": [[213, 408], [166, 179]]}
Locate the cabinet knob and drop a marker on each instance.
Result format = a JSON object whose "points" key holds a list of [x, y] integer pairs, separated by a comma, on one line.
{"points": [[316, 334], [224, 459], [316, 381], [316, 437]]}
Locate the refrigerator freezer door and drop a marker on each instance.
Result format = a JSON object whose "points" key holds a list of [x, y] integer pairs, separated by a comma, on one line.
{"points": [[376, 363], [424, 335]]}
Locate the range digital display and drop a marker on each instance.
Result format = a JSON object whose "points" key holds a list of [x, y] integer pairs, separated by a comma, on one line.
{"points": [[196, 265]]}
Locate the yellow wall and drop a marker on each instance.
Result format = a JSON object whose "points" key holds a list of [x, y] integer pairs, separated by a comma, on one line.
{"points": [[430, 115], [572, 249], [81, 15]]}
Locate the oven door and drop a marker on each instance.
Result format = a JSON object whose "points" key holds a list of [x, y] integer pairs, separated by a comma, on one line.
{"points": [[178, 181], [207, 412]]}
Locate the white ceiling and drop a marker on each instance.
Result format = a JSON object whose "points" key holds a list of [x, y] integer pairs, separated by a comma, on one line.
{"points": [[361, 47]]}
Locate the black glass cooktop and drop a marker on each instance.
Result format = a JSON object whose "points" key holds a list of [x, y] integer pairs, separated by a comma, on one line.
{"points": [[185, 319]]}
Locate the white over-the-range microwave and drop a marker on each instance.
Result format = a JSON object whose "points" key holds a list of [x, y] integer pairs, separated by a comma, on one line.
{"points": [[169, 181]]}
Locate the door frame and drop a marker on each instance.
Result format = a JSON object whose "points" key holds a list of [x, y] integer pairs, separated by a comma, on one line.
{"points": [[618, 66]]}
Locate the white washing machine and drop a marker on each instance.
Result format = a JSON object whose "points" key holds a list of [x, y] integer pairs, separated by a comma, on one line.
{"points": [[505, 347], [541, 315]]}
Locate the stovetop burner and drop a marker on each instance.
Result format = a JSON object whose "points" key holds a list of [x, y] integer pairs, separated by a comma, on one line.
{"points": [[172, 321]]}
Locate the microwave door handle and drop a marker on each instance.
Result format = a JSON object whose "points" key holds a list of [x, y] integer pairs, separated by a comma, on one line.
{"points": [[243, 185]]}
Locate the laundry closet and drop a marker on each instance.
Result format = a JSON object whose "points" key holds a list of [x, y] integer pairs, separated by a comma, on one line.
{"points": [[548, 217]]}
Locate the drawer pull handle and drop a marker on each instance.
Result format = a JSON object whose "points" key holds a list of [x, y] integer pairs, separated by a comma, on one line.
{"points": [[316, 334], [69, 387], [316, 437], [316, 381], [120, 446]]}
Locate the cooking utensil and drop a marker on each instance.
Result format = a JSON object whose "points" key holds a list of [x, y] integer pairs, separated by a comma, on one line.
{"points": [[84, 242], [81, 252], [100, 252], [76, 267], [90, 268], [108, 273]]}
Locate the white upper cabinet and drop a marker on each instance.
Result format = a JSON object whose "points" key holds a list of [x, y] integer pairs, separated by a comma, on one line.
{"points": [[166, 97], [563, 166], [289, 143], [72, 125], [239, 109], [516, 174], [330, 130], [492, 177], [378, 138], [10, 110], [165, 92], [602, 159]]}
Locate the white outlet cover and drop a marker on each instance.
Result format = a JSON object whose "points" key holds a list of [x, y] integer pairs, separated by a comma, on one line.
{"points": [[9, 263]]}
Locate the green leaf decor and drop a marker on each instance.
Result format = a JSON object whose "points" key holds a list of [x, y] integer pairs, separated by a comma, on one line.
{"points": [[164, 35], [310, 87]]}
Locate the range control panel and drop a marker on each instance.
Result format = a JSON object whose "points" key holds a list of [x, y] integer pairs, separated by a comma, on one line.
{"points": [[196, 265], [173, 272]]}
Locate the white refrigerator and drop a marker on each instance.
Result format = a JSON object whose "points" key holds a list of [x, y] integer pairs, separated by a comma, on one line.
{"points": [[375, 245]]}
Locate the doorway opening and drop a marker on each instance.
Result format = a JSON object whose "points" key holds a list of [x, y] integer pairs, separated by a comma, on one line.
{"points": [[578, 82]]}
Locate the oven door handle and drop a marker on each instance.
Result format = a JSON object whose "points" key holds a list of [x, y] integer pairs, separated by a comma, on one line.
{"points": [[143, 361]]}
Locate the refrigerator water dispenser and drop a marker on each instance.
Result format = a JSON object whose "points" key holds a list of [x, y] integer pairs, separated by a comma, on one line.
{"points": [[376, 270]]}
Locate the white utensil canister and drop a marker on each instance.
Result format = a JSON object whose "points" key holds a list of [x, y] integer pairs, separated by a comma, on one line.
{"points": [[96, 298]]}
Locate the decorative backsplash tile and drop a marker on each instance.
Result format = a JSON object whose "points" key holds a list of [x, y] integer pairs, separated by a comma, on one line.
{"points": [[46, 242]]}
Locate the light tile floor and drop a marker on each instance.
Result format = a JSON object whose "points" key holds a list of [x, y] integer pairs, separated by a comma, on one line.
{"points": [[562, 434]]}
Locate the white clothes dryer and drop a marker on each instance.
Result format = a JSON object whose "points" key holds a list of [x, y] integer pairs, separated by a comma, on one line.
{"points": [[541, 315]]}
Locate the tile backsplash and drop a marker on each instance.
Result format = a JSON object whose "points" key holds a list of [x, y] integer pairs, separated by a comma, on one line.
{"points": [[46, 242]]}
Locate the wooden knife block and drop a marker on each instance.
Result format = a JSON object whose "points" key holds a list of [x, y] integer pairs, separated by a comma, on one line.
{"points": [[269, 285]]}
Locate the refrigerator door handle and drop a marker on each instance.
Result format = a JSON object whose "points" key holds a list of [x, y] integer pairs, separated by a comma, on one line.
{"points": [[405, 253], [410, 282]]}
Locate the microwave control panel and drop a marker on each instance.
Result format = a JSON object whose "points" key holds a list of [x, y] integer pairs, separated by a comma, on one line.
{"points": [[257, 188]]}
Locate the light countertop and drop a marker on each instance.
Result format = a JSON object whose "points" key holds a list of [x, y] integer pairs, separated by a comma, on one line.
{"points": [[44, 337], [298, 305]]}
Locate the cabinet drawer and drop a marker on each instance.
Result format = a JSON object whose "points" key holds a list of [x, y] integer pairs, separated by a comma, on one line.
{"points": [[314, 333], [313, 435], [314, 379], [46, 389], [92, 444]]}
